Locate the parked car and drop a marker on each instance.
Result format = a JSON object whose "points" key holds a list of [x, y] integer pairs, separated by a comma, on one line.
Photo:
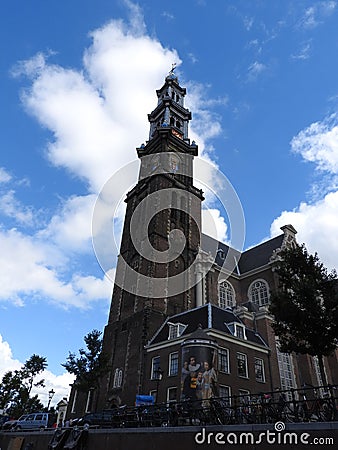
{"points": [[39, 420], [10, 424], [102, 419]]}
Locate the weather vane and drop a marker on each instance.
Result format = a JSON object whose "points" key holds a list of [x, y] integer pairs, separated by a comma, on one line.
{"points": [[173, 67]]}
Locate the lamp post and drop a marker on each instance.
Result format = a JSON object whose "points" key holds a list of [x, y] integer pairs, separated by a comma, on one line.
{"points": [[50, 396], [159, 375]]}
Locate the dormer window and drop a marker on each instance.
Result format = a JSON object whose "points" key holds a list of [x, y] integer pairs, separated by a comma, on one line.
{"points": [[240, 331], [176, 330]]}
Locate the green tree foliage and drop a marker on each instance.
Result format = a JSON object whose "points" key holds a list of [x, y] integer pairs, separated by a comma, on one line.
{"points": [[91, 365], [16, 387], [305, 307]]}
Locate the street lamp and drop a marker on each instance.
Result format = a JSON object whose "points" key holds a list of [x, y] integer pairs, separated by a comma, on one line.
{"points": [[159, 375], [50, 396]]}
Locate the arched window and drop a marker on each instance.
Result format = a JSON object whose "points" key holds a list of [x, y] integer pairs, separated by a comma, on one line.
{"points": [[259, 292], [226, 295], [118, 375]]}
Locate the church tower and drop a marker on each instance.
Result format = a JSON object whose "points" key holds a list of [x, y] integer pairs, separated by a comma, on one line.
{"points": [[155, 276]]}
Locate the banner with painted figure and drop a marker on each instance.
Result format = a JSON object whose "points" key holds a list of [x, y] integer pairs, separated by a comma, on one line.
{"points": [[199, 373]]}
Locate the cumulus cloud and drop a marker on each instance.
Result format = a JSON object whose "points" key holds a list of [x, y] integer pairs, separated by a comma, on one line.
{"points": [[317, 227], [38, 269], [214, 225], [70, 227], [7, 362], [59, 383], [96, 116], [318, 143], [316, 221], [5, 177]]}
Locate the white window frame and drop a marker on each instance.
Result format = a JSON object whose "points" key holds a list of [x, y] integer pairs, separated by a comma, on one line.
{"points": [[171, 357], [171, 388], [259, 299], [240, 326], [153, 375], [176, 330], [262, 369], [118, 376], [245, 359], [153, 393], [227, 300], [74, 402], [228, 396], [89, 397], [223, 349]]}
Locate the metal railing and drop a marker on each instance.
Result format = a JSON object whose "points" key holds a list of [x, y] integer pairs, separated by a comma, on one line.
{"points": [[308, 404]]}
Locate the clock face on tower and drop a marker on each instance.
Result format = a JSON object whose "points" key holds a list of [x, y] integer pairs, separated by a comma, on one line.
{"points": [[174, 163], [155, 162]]}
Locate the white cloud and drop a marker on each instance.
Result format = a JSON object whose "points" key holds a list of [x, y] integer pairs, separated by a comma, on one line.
{"points": [[206, 124], [97, 115], [167, 15], [11, 207], [315, 14], [38, 269], [7, 362], [317, 227], [255, 69], [304, 52], [5, 177], [318, 143], [316, 222], [213, 224], [59, 383], [70, 228]]}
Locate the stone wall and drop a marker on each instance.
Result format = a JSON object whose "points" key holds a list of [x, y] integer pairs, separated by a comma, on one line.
{"points": [[190, 438]]}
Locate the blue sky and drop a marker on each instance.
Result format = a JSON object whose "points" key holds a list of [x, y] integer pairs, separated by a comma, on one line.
{"points": [[78, 79]]}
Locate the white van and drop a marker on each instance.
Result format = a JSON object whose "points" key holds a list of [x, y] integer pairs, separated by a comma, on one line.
{"points": [[38, 420]]}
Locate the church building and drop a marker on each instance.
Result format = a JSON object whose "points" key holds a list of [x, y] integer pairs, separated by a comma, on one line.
{"points": [[180, 313]]}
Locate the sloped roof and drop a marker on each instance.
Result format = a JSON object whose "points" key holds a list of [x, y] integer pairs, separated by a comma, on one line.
{"points": [[205, 317], [259, 255], [236, 261]]}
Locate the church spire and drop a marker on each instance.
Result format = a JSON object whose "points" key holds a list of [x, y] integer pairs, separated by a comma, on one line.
{"points": [[170, 111]]}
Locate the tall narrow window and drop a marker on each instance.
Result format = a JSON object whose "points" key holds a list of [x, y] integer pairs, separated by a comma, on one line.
{"points": [[258, 292], [155, 365], [240, 331], [225, 394], [74, 402], [118, 375], [173, 364], [89, 400], [242, 365], [223, 360], [286, 372], [225, 295], [259, 370]]}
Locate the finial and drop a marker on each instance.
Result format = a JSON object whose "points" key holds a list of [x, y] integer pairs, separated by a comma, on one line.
{"points": [[171, 73]]}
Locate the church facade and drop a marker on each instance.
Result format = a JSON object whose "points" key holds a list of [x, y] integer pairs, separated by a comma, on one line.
{"points": [[180, 312]]}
